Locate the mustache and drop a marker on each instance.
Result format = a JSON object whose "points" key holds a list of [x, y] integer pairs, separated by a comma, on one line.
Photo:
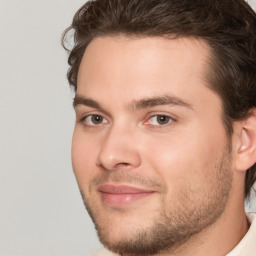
{"points": [[127, 177]]}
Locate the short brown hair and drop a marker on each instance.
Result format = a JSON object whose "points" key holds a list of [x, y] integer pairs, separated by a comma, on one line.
{"points": [[228, 26]]}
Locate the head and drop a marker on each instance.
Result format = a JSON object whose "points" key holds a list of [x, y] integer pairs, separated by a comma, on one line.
{"points": [[161, 87]]}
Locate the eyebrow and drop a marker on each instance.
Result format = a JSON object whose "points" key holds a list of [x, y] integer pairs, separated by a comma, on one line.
{"points": [[136, 104], [80, 100], [156, 101]]}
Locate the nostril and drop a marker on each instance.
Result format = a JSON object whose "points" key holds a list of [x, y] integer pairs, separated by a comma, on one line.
{"points": [[122, 165]]}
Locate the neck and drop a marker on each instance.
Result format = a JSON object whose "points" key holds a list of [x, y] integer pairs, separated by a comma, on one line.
{"points": [[219, 238]]}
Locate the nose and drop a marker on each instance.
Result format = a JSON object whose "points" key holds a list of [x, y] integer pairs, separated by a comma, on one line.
{"points": [[119, 149]]}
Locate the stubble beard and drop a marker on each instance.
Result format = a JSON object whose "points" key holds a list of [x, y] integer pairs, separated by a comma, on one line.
{"points": [[175, 225]]}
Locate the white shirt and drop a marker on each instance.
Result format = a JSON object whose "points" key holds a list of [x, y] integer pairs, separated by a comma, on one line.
{"points": [[246, 247]]}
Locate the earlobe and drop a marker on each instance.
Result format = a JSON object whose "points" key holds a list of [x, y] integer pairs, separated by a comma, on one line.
{"points": [[246, 154]]}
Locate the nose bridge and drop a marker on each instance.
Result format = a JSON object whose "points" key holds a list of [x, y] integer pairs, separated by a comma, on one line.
{"points": [[118, 148]]}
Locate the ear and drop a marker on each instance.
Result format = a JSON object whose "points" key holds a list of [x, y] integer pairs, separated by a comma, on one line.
{"points": [[246, 143]]}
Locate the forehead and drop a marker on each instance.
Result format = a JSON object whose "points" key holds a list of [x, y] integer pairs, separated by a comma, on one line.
{"points": [[126, 67], [146, 47]]}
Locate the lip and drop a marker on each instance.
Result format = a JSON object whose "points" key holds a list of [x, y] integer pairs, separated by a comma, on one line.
{"points": [[122, 195]]}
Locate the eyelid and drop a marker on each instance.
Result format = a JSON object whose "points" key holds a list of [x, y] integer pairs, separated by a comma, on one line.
{"points": [[82, 116], [85, 116], [173, 119]]}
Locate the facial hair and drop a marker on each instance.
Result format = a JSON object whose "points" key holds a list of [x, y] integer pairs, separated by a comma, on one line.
{"points": [[179, 219]]}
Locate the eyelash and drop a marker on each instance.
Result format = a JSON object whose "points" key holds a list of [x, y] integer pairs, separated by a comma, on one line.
{"points": [[169, 120], [159, 116], [83, 119]]}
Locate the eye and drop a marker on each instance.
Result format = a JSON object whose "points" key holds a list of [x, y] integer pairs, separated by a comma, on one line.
{"points": [[94, 120], [159, 120]]}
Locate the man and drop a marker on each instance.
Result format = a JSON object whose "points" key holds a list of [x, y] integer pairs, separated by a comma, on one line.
{"points": [[164, 146]]}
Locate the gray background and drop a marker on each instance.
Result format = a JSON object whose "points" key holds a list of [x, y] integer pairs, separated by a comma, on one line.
{"points": [[41, 212]]}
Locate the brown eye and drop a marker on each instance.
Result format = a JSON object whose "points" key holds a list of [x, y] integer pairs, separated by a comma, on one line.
{"points": [[163, 119], [96, 119], [159, 120], [92, 120]]}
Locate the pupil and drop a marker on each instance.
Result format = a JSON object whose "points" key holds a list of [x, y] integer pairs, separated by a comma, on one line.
{"points": [[162, 119], [97, 119]]}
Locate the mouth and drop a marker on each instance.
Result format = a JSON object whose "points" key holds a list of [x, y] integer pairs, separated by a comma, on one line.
{"points": [[122, 195]]}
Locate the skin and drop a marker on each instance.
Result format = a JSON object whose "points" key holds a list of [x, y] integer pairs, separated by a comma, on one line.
{"points": [[184, 161]]}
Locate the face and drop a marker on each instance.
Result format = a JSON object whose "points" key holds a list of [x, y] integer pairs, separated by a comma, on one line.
{"points": [[150, 151]]}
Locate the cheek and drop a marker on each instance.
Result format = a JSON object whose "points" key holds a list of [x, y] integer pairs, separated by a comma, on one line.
{"points": [[187, 157], [84, 152]]}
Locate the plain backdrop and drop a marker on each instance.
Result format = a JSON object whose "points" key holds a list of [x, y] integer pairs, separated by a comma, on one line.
{"points": [[41, 211]]}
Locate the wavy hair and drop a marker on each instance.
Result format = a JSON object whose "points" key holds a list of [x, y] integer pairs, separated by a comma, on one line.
{"points": [[228, 26]]}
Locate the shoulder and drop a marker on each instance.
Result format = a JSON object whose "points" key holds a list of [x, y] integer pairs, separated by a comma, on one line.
{"points": [[251, 217], [104, 252], [247, 246]]}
